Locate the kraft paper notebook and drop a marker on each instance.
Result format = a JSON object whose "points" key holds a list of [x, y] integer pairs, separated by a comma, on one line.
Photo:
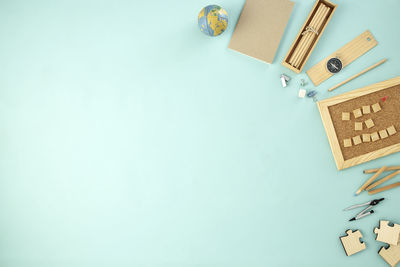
{"points": [[260, 28]]}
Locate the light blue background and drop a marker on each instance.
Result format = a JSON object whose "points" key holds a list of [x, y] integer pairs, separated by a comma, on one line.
{"points": [[129, 138]]}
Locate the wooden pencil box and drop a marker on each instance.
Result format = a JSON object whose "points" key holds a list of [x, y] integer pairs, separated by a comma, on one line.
{"points": [[295, 59]]}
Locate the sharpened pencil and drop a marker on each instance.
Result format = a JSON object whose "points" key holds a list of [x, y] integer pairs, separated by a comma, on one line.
{"points": [[370, 180]]}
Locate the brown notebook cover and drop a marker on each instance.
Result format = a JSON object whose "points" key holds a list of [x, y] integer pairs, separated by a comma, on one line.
{"points": [[260, 28]]}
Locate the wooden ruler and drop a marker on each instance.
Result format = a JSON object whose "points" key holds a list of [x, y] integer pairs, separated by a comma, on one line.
{"points": [[347, 54]]}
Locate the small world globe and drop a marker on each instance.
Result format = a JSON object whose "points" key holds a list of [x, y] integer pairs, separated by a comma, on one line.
{"points": [[213, 20]]}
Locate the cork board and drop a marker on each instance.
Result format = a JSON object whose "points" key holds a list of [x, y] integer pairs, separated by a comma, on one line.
{"points": [[337, 130]]}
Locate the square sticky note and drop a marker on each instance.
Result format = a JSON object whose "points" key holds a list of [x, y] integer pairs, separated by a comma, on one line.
{"points": [[347, 142], [357, 113], [383, 134], [345, 116], [358, 126], [366, 138], [366, 109], [391, 130], [374, 136], [376, 107], [369, 123], [357, 140]]}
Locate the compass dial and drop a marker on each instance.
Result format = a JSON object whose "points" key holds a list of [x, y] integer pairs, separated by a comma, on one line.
{"points": [[334, 65]]}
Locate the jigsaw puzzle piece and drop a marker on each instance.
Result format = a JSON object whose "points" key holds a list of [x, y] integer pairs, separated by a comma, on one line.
{"points": [[351, 242], [391, 255], [387, 234]]}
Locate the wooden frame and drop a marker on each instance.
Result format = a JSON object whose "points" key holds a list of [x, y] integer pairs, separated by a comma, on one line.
{"points": [[302, 29], [323, 107]]}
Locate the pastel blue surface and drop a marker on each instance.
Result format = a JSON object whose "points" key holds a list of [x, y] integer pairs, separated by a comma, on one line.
{"points": [[129, 138]]}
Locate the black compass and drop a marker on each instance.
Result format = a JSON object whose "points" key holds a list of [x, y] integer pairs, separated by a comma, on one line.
{"points": [[334, 65]]}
